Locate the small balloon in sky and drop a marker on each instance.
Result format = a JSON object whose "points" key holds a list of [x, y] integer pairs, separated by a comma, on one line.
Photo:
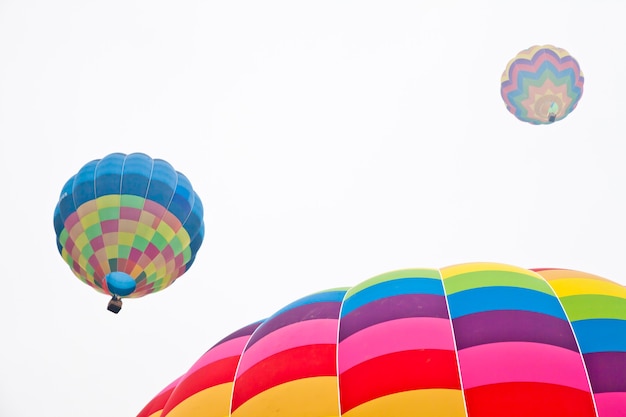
{"points": [[542, 84], [128, 225]]}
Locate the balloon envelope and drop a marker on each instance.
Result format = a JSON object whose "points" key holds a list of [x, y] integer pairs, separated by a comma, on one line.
{"points": [[542, 84], [478, 339], [128, 225]]}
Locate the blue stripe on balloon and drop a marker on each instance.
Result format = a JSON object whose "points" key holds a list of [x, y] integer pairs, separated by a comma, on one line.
{"points": [[601, 335], [136, 174], [392, 288], [83, 189], [108, 175], [162, 183], [503, 298], [58, 226], [193, 222], [197, 239], [182, 200], [320, 297], [567, 74], [66, 201]]}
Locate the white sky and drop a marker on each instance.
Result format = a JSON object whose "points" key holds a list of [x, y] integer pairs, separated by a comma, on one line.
{"points": [[330, 141]]}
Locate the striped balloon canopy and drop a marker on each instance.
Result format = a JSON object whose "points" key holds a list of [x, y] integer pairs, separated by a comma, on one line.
{"points": [[478, 340], [128, 225], [542, 84]]}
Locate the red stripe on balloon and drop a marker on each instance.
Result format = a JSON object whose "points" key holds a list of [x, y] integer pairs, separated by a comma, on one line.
{"points": [[288, 365], [398, 372], [215, 373], [524, 399]]}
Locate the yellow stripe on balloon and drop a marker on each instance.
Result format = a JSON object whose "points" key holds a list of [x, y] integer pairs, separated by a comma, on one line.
{"points": [[566, 282], [145, 231], [556, 274], [211, 402], [451, 271], [308, 397], [423, 403], [577, 286], [162, 273], [148, 268], [112, 251], [90, 219], [184, 238], [81, 241], [83, 261], [109, 201], [166, 231], [125, 238]]}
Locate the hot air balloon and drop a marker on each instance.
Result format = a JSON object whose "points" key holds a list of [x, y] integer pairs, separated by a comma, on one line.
{"points": [[128, 225], [477, 339], [204, 390], [155, 407], [542, 84]]}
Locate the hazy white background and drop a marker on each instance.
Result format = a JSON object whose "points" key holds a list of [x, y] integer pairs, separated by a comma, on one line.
{"points": [[330, 141]]}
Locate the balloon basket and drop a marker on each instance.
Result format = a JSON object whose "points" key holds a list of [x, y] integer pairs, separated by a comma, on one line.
{"points": [[115, 305]]}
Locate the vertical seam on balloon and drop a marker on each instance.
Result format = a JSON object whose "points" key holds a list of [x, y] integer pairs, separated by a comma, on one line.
{"points": [[167, 208], [95, 197], [173, 194], [73, 194], [192, 196], [337, 354], [232, 390], [122, 174], [569, 322], [145, 195], [456, 350]]}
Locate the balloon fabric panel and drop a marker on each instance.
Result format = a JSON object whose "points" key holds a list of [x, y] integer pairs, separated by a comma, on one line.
{"points": [[597, 310], [271, 369], [205, 389], [469, 340], [406, 308], [155, 407]]}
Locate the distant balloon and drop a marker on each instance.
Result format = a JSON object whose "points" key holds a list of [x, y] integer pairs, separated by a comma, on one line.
{"points": [[128, 225], [542, 84], [479, 340]]}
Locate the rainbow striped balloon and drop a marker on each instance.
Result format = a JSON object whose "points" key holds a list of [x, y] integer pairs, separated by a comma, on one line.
{"points": [[477, 340], [128, 225], [542, 84], [205, 390]]}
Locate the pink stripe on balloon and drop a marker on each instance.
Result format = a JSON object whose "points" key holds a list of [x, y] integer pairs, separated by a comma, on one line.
{"points": [[523, 65], [153, 207], [395, 336], [521, 362], [172, 221], [611, 404], [71, 221], [304, 333], [230, 348]]}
